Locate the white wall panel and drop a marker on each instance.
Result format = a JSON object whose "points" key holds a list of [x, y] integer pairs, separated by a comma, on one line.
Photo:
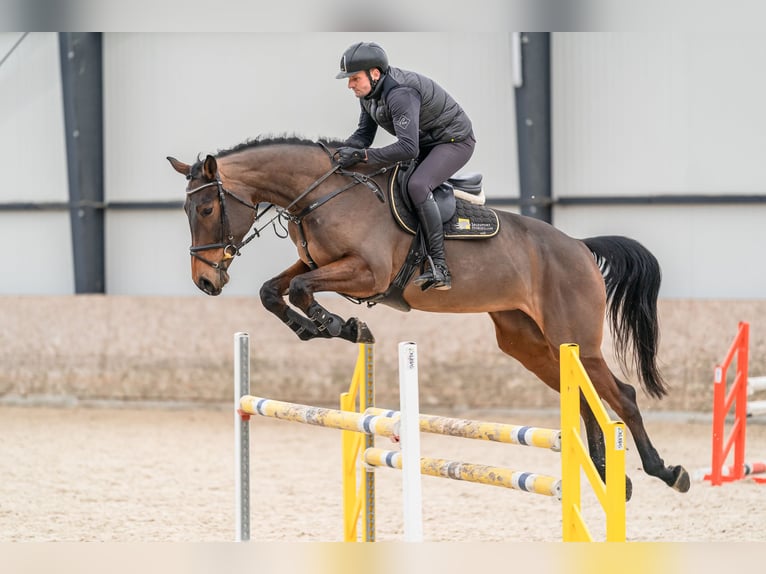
{"points": [[658, 113], [33, 158], [148, 254], [32, 146], [705, 253], [619, 114], [37, 252], [641, 114], [184, 94]]}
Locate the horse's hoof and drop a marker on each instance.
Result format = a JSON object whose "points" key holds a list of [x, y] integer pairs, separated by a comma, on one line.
{"points": [[682, 483]]}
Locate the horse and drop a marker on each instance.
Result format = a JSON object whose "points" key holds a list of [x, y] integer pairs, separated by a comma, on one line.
{"points": [[540, 287]]}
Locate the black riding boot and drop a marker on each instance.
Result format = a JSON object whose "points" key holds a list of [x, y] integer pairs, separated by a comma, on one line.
{"points": [[437, 276]]}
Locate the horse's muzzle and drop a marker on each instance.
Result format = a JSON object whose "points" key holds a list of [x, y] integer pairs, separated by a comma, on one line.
{"points": [[210, 287]]}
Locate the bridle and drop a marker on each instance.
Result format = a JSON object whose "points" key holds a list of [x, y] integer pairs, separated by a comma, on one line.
{"points": [[232, 249]]}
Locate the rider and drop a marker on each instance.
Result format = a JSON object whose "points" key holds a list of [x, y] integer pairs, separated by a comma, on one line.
{"points": [[429, 126]]}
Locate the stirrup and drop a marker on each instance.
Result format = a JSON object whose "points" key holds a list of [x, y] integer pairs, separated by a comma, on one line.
{"points": [[436, 277], [446, 283]]}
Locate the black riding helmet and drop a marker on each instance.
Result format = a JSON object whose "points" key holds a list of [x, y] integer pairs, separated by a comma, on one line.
{"points": [[362, 56]]}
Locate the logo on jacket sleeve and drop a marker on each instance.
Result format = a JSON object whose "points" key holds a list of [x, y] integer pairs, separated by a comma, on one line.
{"points": [[402, 122]]}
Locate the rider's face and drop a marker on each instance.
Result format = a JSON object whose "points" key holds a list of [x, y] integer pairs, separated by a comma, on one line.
{"points": [[360, 82]]}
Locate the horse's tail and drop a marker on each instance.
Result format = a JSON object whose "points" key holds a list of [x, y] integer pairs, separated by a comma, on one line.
{"points": [[632, 276]]}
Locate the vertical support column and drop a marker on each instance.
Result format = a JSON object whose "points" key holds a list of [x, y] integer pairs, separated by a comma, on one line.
{"points": [[573, 527], [533, 123], [358, 481], [367, 400], [350, 443], [241, 438], [574, 455], [82, 84], [614, 505], [410, 439], [719, 416], [740, 409]]}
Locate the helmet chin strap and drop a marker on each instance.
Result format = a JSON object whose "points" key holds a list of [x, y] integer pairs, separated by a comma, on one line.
{"points": [[373, 83]]}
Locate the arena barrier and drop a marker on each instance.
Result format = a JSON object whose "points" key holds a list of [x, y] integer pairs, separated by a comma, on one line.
{"points": [[754, 385], [360, 457], [724, 397]]}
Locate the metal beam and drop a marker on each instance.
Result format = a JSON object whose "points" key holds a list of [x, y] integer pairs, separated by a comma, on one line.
{"points": [[533, 123], [81, 80]]}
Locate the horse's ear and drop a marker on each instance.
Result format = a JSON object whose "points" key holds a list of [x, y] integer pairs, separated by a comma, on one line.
{"points": [[179, 166], [209, 167]]}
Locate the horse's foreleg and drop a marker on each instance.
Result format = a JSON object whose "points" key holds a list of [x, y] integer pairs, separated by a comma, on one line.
{"points": [[272, 296], [348, 275]]}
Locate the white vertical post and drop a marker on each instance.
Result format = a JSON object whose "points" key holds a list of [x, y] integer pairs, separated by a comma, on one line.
{"points": [[409, 435], [241, 438]]}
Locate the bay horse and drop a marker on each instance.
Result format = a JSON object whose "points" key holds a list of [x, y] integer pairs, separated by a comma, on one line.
{"points": [[540, 287]]}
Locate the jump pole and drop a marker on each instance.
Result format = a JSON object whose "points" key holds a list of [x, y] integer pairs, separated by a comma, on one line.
{"points": [[522, 435]]}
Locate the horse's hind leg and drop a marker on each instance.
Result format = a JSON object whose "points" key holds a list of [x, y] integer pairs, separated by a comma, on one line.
{"points": [[596, 445], [622, 398], [627, 409], [520, 337]]}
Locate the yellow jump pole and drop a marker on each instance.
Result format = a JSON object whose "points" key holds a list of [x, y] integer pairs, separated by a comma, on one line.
{"points": [[470, 472], [497, 432]]}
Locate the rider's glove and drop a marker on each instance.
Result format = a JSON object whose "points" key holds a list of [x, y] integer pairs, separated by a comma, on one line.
{"points": [[348, 156]]}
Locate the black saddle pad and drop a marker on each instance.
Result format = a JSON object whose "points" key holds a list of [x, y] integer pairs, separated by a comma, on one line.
{"points": [[469, 221]]}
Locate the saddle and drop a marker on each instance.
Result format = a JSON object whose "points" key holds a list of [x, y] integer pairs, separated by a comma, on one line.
{"points": [[460, 200]]}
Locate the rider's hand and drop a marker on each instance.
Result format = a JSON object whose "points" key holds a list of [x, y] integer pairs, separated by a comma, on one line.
{"points": [[348, 156]]}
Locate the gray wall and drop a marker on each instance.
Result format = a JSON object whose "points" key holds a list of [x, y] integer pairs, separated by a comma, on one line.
{"points": [[655, 114], [180, 95], [633, 114], [33, 160]]}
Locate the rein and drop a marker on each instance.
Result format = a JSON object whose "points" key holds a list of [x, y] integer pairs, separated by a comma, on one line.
{"points": [[232, 249]]}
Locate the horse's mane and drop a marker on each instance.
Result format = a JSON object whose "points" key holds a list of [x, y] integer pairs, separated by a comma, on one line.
{"points": [[267, 140], [263, 141]]}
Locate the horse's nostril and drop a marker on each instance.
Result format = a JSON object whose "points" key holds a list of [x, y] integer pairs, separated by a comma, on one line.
{"points": [[207, 286]]}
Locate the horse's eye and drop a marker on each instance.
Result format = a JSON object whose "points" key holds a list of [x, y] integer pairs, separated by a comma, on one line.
{"points": [[206, 211]]}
